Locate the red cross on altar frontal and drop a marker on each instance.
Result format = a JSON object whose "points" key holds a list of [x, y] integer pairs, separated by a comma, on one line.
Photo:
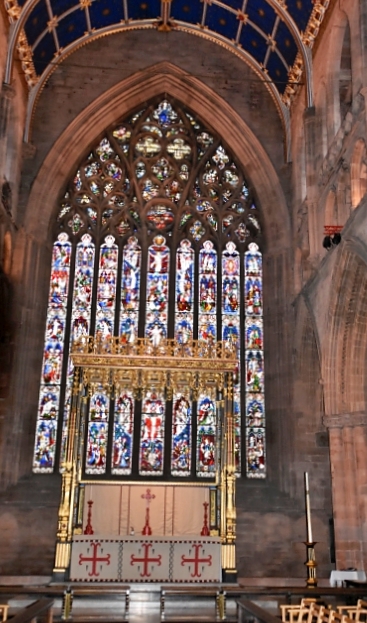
{"points": [[146, 560], [94, 559], [196, 560], [148, 496]]}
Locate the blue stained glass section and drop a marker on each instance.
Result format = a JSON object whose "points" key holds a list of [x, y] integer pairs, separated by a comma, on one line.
{"points": [[181, 436], [184, 277], [123, 434], [206, 438], [152, 435], [254, 365], [97, 434], [157, 291], [45, 445], [49, 396]]}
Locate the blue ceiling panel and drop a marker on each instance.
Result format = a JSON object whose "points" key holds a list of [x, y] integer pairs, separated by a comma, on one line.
{"points": [[221, 18], [71, 27], [222, 21], [285, 43], [300, 10], [37, 22], [105, 12], [61, 6], [187, 11], [261, 14], [234, 4], [44, 53], [253, 43], [147, 9], [277, 72]]}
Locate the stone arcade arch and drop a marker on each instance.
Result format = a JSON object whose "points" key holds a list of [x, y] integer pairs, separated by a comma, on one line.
{"points": [[345, 392], [127, 95]]}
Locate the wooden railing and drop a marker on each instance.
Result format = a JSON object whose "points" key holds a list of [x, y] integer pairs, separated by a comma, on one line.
{"points": [[248, 612], [40, 610]]}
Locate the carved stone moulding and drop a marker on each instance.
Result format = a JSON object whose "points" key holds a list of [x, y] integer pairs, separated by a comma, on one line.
{"points": [[345, 420]]}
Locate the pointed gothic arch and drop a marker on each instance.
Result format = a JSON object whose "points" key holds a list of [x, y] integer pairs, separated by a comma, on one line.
{"points": [[127, 95]]}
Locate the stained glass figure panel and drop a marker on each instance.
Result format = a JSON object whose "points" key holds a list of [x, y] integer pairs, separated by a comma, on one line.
{"points": [[206, 437], [97, 434], [231, 329], [152, 435], [254, 364], [80, 313], [157, 291], [181, 435], [123, 434], [49, 395]]}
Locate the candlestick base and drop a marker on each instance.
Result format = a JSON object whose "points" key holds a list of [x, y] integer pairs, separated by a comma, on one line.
{"points": [[311, 564]]}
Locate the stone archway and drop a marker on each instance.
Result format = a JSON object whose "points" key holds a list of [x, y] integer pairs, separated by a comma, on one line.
{"points": [[344, 372], [127, 95], [32, 249]]}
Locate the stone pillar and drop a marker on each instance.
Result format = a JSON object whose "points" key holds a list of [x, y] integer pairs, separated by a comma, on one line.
{"points": [[364, 93], [6, 95], [347, 437], [363, 47], [311, 152]]}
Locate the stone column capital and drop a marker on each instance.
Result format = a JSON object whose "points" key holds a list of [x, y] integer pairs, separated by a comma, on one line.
{"points": [[345, 420], [28, 151]]}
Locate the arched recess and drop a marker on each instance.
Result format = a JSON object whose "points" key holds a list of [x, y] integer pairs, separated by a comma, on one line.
{"points": [[345, 351], [345, 76], [338, 79], [126, 96], [331, 209], [358, 172], [322, 108], [345, 391], [343, 196]]}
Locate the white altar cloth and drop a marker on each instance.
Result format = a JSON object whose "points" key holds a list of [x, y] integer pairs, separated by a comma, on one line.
{"points": [[145, 559], [337, 577]]}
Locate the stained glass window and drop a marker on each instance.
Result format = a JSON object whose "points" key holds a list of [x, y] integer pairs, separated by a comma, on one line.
{"points": [[157, 236]]}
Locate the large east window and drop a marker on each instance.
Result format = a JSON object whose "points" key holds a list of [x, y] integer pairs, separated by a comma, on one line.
{"points": [[157, 236]]}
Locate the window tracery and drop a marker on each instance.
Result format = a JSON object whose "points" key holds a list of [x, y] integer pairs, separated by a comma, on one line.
{"points": [[158, 237]]}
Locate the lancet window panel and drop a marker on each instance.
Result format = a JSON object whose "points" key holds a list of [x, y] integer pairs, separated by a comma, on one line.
{"points": [[157, 236]]}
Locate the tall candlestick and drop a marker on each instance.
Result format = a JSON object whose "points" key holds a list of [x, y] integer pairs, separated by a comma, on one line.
{"points": [[308, 510]]}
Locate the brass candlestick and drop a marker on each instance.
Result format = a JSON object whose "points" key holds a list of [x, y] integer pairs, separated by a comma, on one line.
{"points": [[311, 564]]}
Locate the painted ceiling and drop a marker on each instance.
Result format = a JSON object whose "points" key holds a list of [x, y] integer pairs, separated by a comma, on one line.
{"points": [[268, 32]]}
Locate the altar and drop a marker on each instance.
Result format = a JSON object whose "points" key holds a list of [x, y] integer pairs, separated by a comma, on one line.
{"points": [[128, 528], [148, 559]]}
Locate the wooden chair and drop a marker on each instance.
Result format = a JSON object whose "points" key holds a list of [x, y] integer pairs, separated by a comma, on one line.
{"points": [[4, 612], [297, 612], [356, 613], [321, 614]]}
